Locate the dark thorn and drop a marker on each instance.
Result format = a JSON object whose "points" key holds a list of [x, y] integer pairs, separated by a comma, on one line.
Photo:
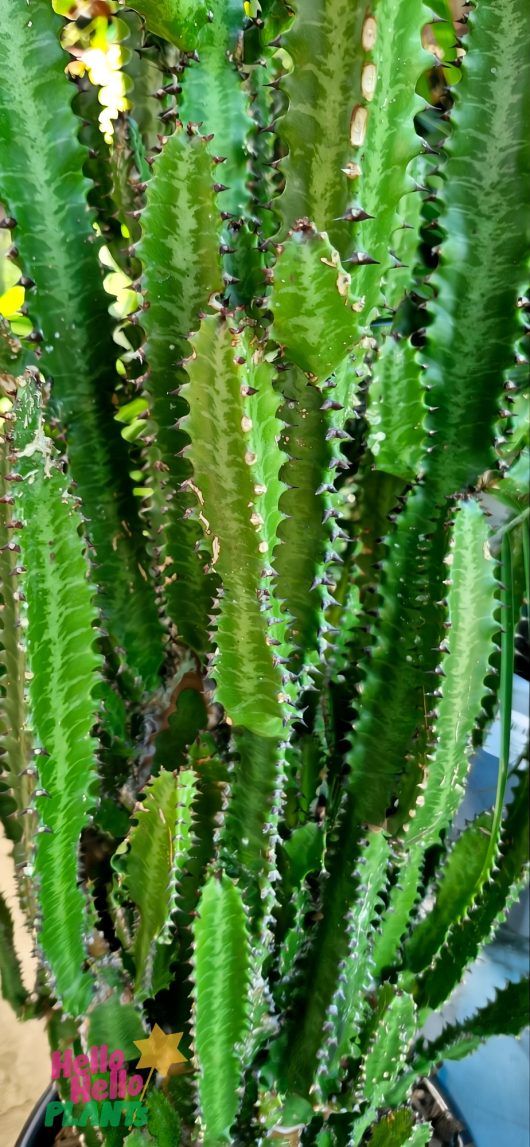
{"points": [[331, 404], [361, 259], [354, 215]]}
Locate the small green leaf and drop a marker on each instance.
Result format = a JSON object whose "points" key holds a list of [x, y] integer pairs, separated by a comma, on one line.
{"points": [[159, 847], [394, 1130], [163, 1122], [178, 21], [304, 850], [130, 410], [117, 1025], [312, 303], [421, 1136]]}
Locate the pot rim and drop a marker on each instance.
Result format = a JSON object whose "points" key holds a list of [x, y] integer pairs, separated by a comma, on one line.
{"points": [[34, 1125]]}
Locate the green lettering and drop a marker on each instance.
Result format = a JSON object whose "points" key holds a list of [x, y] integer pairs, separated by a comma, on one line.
{"points": [[89, 1113], [69, 1119], [52, 1111], [111, 1113], [135, 1113]]}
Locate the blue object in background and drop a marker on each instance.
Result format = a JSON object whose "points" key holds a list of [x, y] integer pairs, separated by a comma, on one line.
{"points": [[490, 1089]]}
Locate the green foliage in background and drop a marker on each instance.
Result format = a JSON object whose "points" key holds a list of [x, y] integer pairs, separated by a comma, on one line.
{"points": [[264, 361]]}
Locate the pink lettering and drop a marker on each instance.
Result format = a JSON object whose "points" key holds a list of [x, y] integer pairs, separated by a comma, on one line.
{"points": [[100, 1089], [98, 1059], [118, 1085], [135, 1085], [61, 1065], [80, 1089], [81, 1062]]}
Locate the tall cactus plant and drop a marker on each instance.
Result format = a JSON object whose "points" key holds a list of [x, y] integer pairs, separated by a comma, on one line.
{"points": [[255, 618]]}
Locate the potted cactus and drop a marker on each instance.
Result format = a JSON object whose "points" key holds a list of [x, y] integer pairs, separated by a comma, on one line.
{"points": [[266, 355]]}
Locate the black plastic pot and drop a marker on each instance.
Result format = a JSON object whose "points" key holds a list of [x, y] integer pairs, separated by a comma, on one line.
{"points": [[434, 1104], [34, 1133]]}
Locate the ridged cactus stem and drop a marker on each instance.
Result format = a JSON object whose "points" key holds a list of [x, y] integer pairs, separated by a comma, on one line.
{"points": [[253, 614], [19, 772]]}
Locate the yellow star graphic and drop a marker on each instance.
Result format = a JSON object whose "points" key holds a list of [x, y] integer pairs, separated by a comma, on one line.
{"points": [[160, 1051]]}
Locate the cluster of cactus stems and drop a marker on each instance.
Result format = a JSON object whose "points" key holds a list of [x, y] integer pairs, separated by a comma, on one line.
{"points": [[255, 619]]}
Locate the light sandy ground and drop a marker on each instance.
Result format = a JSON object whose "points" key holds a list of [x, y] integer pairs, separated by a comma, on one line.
{"points": [[24, 1063]]}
